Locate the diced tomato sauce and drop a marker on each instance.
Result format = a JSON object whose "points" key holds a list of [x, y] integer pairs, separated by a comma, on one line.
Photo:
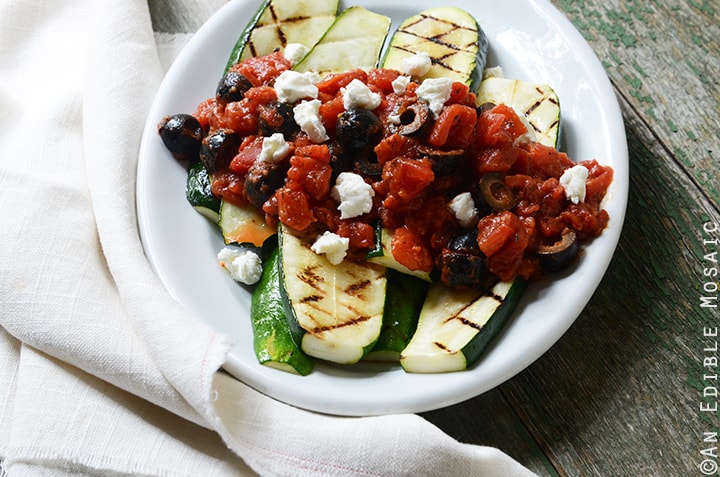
{"points": [[412, 193], [262, 70]]}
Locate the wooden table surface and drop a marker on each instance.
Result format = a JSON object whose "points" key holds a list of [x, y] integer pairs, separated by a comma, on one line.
{"points": [[631, 389]]}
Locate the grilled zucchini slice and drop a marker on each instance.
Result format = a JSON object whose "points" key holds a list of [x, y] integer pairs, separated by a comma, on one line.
{"points": [[279, 22], [354, 40], [243, 225], [335, 312], [455, 326], [451, 37]]}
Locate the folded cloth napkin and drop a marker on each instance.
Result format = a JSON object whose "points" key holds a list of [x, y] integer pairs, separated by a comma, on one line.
{"points": [[102, 372]]}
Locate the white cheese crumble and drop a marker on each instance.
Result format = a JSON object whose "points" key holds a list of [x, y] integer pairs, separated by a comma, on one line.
{"points": [[493, 72], [354, 194], [527, 137], [573, 181], [332, 245], [307, 116], [435, 92], [464, 209], [274, 148], [292, 86], [400, 84], [417, 65], [244, 265], [295, 52], [358, 95]]}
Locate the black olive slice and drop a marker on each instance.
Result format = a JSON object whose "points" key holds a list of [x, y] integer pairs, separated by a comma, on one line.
{"points": [[495, 193], [560, 255], [414, 118], [487, 106], [444, 163], [357, 128]]}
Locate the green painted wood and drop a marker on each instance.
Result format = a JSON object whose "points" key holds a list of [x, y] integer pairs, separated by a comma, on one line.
{"points": [[663, 57]]}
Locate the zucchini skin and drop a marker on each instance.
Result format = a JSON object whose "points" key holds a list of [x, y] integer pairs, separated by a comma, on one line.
{"points": [[272, 341], [239, 46], [403, 301], [474, 350], [198, 192]]}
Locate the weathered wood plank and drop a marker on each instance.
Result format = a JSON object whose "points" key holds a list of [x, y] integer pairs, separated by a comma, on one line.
{"points": [[491, 421], [620, 393], [663, 57]]}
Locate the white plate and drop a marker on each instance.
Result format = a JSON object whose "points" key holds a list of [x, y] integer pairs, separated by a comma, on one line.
{"points": [[531, 40]]}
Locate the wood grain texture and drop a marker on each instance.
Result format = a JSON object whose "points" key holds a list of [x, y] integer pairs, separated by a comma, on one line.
{"points": [[622, 392]]}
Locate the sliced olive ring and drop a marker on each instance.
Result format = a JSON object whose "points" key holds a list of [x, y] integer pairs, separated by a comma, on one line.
{"points": [[495, 193], [444, 163], [414, 118], [559, 255], [487, 106]]}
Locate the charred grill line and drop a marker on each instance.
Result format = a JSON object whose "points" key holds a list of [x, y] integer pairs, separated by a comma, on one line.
{"points": [[441, 346], [308, 276], [353, 322], [356, 288], [434, 60]]}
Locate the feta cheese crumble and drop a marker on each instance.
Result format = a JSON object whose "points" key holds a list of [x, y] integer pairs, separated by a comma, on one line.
{"points": [[493, 72], [244, 265], [464, 209], [417, 65], [274, 148], [358, 95], [332, 245], [307, 116], [295, 52], [400, 84], [292, 86], [573, 181], [354, 194], [529, 136], [435, 92]]}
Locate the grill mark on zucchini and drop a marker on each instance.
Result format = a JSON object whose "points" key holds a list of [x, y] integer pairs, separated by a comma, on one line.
{"points": [[278, 28], [441, 346], [344, 324], [357, 288], [437, 39], [312, 279]]}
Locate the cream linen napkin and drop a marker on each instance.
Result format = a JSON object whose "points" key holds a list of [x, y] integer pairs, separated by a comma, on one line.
{"points": [[102, 372]]}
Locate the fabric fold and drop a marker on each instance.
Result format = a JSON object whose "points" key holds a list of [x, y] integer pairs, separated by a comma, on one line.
{"points": [[103, 372]]}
